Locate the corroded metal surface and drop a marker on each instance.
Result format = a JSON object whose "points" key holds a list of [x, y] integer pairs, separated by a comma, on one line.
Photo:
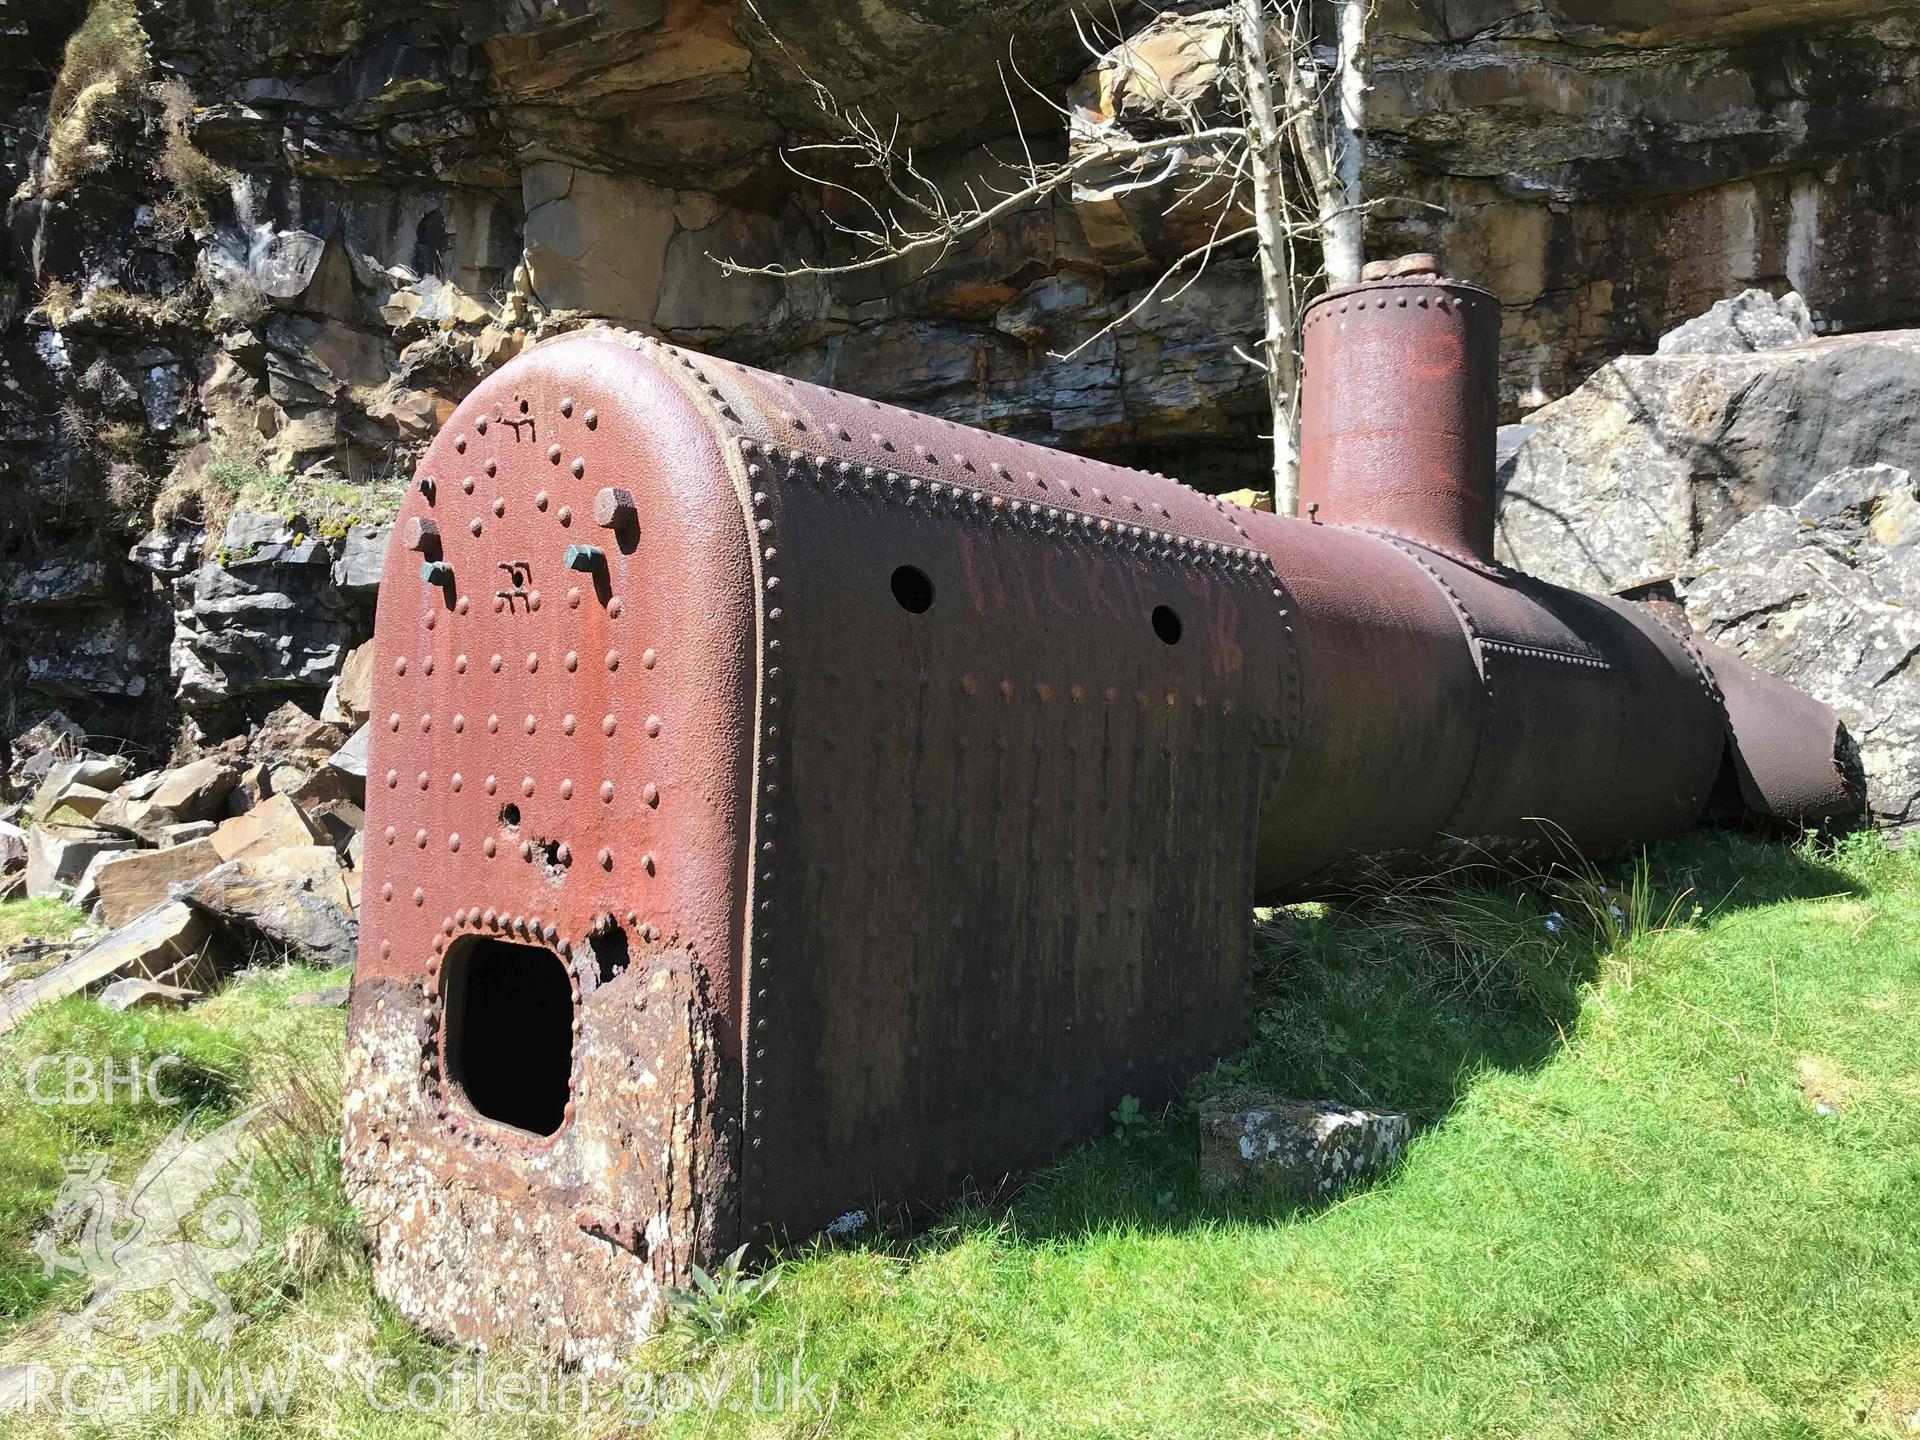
{"points": [[1398, 409], [779, 801]]}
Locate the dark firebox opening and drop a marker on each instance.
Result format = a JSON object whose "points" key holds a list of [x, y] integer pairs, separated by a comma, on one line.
{"points": [[509, 1037]]}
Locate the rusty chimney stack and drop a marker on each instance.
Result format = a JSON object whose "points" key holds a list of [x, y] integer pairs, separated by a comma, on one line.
{"points": [[1399, 409]]}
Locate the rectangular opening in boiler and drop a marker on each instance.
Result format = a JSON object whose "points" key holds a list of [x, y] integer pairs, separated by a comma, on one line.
{"points": [[509, 1032]]}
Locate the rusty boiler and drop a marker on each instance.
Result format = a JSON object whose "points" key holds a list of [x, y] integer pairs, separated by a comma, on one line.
{"points": [[780, 802]]}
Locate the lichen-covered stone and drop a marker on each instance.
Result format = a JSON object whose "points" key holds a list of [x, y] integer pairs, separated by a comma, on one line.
{"points": [[1305, 1150]]}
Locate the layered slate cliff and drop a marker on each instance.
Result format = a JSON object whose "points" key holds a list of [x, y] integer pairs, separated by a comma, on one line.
{"points": [[258, 250]]}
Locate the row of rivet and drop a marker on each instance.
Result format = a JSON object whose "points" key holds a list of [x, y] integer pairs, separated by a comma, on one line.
{"points": [[1540, 652], [960, 499], [767, 783], [721, 403], [490, 847], [1326, 310], [568, 724], [931, 459], [1492, 569], [1412, 550]]}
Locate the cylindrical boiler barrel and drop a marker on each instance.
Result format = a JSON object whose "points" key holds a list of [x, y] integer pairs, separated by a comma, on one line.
{"points": [[1399, 411]]}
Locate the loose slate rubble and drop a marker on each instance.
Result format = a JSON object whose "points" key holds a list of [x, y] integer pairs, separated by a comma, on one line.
{"points": [[130, 883], [167, 943], [58, 856], [1303, 1150], [134, 993], [251, 845], [295, 897]]}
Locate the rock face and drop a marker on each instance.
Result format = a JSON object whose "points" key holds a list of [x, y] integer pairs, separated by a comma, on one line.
{"points": [[1766, 479], [1656, 456], [266, 619], [288, 240], [1304, 1150], [1826, 593]]}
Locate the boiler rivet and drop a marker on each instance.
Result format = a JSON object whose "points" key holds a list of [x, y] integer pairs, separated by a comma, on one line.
{"points": [[606, 791]]}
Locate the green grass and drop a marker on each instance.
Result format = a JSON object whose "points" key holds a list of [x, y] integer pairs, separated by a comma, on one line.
{"points": [[243, 1045], [40, 919], [1644, 1228], [1667, 1183]]}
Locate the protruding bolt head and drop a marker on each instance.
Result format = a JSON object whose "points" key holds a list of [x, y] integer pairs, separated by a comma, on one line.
{"points": [[423, 535], [613, 508], [425, 486], [436, 572], [585, 557]]}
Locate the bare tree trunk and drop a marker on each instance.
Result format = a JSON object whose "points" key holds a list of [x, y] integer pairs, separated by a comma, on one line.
{"points": [[1264, 156], [1343, 223]]}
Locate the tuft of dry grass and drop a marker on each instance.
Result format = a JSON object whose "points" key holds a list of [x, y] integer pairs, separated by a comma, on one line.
{"points": [[191, 176], [104, 62], [58, 300]]}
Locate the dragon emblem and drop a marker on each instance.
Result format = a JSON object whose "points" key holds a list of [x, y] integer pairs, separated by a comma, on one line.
{"points": [[160, 1231]]}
